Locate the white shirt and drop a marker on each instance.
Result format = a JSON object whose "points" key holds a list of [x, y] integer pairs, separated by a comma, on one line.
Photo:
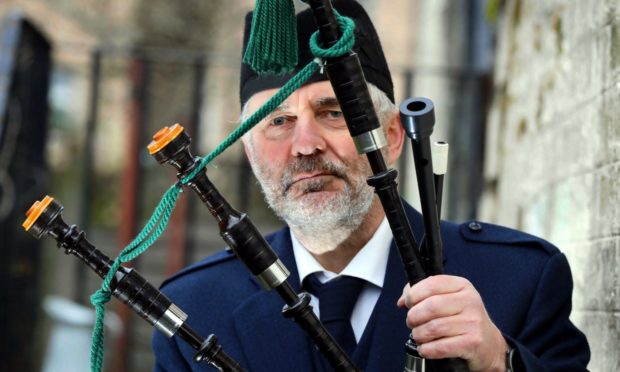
{"points": [[369, 264]]}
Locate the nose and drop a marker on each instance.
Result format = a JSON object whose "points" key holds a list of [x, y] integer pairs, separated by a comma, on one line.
{"points": [[308, 138]]}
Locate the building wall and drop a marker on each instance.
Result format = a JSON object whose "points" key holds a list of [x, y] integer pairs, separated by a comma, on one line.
{"points": [[441, 49], [553, 148]]}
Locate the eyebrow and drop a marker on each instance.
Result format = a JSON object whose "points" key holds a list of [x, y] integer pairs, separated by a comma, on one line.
{"points": [[325, 102], [284, 106], [318, 103]]}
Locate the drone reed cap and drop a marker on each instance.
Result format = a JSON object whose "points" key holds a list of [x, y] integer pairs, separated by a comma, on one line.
{"points": [[35, 211], [439, 153], [163, 137]]}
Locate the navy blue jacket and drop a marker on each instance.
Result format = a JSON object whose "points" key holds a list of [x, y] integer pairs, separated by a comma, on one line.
{"points": [[524, 281]]}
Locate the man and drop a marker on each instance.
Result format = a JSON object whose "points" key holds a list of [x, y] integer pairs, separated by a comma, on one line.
{"points": [[504, 302]]}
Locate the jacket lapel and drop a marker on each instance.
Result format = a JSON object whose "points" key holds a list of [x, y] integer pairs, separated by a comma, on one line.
{"points": [[382, 345], [417, 225], [270, 341]]}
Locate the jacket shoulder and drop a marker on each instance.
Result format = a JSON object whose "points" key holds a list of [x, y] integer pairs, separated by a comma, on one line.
{"points": [[217, 259], [488, 233], [224, 261]]}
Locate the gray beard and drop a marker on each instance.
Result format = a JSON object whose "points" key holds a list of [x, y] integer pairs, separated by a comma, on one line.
{"points": [[325, 221]]}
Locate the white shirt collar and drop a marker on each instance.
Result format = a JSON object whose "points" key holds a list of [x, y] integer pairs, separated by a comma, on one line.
{"points": [[370, 263]]}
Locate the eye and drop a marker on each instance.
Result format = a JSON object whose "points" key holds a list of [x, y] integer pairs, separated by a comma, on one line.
{"points": [[334, 114], [280, 120], [332, 117]]}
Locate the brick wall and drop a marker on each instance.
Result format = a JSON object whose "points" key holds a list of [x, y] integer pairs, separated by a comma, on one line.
{"points": [[552, 162]]}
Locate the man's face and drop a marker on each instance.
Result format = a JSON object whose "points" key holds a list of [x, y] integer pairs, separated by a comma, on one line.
{"points": [[306, 161]]}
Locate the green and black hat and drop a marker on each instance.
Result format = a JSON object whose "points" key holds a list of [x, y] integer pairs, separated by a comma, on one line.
{"points": [[367, 46]]}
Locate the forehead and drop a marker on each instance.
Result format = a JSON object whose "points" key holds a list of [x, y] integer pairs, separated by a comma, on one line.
{"points": [[305, 94]]}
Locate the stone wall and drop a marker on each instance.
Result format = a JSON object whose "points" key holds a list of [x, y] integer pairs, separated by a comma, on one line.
{"points": [[553, 148]]}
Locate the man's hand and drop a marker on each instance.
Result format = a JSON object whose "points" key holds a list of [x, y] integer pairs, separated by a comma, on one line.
{"points": [[448, 320]]}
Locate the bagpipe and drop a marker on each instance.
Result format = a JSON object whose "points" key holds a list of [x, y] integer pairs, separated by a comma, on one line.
{"points": [[44, 218], [171, 146]]}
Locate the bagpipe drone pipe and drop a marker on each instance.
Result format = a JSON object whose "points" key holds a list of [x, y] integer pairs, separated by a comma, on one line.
{"points": [[171, 145], [44, 218], [347, 79]]}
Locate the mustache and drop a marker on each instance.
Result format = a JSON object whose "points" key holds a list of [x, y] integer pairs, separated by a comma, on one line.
{"points": [[307, 164]]}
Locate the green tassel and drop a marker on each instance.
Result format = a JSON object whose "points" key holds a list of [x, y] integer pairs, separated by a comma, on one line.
{"points": [[272, 46]]}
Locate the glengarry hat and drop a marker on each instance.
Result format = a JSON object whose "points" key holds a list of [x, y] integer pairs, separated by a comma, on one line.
{"points": [[367, 46]]}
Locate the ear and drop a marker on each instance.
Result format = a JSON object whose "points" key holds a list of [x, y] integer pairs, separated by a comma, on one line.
{"points": [[245, 138], [395, 137]]}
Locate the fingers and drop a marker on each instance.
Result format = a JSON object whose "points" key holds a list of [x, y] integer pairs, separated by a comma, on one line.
{"points": [[448, 320], [431, 286], [444, 348], [435, 307], [480, 353], [454, 337], [401, 300], [446, 327]]}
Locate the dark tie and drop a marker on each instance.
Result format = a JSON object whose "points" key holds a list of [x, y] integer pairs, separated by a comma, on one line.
{"points": [[336, 301]]}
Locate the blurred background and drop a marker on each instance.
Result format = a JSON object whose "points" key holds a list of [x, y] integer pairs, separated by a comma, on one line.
{"points": [[527, 93]]}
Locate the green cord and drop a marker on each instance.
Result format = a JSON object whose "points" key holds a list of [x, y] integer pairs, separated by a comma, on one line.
{"points": [[149, 234], [342, 46], [160, 217]]}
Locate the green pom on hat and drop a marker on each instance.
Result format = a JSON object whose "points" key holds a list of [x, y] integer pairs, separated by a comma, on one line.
{"points": [[272, 46]]}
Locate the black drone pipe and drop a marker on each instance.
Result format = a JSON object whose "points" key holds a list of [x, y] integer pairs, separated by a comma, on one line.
{"points": [[350, 87], [418, 119], [171, 145], [347, 79], [44, 218]]}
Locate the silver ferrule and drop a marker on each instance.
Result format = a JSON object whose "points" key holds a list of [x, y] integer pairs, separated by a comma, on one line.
{"points": [[415, 364], [370, 141], [273, 276], [170, 322]]}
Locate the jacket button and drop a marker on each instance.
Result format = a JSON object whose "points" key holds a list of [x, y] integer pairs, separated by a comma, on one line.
{"points": [[475, 226]]}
